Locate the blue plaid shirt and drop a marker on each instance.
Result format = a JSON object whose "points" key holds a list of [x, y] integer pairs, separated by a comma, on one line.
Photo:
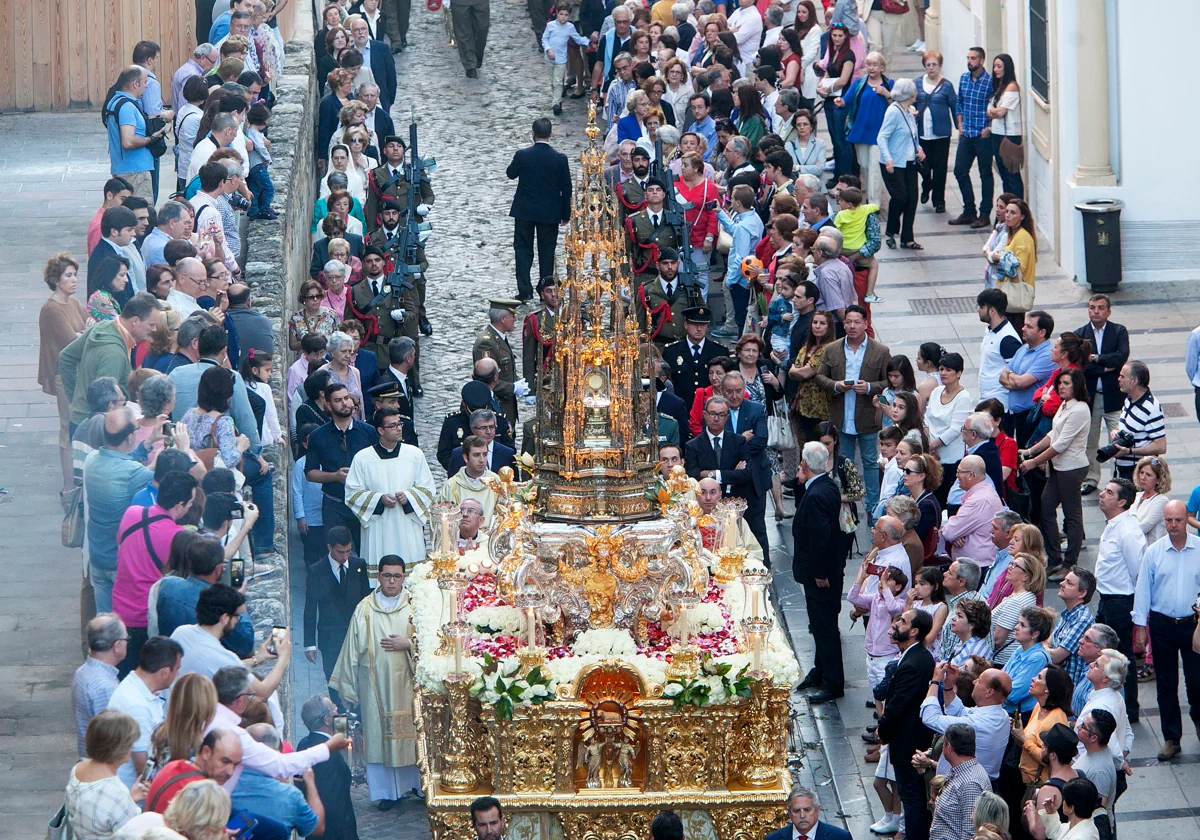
{"points": [[973, 95], [1068, 633]]}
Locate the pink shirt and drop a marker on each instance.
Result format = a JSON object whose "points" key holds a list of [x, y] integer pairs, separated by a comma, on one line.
{"points": [[974, 521], [884, 607], [137, 569]]}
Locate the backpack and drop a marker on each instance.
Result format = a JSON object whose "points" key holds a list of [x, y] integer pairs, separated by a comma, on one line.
{"points": [[157, 146]]}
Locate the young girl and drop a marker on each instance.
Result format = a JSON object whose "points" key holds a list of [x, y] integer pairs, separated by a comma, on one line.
{"points": [[900, 377], [112, 275], [928, 595], [256, 370], [780, 314]]}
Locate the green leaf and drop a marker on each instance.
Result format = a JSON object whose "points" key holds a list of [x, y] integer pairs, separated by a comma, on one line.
{"points": [[535, 675]]}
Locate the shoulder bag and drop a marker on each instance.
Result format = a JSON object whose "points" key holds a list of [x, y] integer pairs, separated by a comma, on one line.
{"points": [[1012, 155], [779, 428], [59, 827], [72, 524], [1012, 282], [895, 7]]}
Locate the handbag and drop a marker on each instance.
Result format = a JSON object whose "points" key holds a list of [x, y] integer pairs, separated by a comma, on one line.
{"points": [[72, 524], [1018, 500], [895, 7], [779, 428], [1019, 293], [59, 827], [1039, 425], [1012, 155], [211, 453], [724, 241]]}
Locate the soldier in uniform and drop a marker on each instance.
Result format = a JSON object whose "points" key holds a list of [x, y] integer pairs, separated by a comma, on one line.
{"points": [[388, 183], [689, 358], [471, 20], [661, 302], [387, 395], [386, 307], [537, 335], [630, 193], [492, 343], [649, 232], [456, 425]]}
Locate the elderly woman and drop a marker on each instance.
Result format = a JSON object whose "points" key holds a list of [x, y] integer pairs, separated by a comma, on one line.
{"points": [[312, 317], [98, 803], [155, 397], [632, 126], [351, 117], [339, 249], [936, 101], [198, 811], [333, 278], [61, 320], [655, 89], [807, 150], [341, 203], [164, 341], [678, 91], [342, 370], [1026, 575], [899, 154], [358, 139], [335, 181], [210, 428]]}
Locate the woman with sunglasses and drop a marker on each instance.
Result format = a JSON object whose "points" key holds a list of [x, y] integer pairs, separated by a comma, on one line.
{"points": [[1027, 576], [312, 317], [922, 473]]}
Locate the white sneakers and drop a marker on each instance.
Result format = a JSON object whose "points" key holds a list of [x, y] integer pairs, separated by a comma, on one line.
{"points": [[872, 298], [890, 824], [918, 47]]}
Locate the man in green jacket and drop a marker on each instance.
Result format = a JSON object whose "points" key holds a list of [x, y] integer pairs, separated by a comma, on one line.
{"points": [[106, 350]]}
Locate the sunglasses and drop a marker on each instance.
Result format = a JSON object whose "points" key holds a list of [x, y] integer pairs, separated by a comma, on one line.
{"points": [[312, 297], [907, 471]]}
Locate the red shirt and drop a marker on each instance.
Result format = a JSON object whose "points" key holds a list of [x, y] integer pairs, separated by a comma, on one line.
{"points": [[1008, 457], [171, 779], [704, 222]]}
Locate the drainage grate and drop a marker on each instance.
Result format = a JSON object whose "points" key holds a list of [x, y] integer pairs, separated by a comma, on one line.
{"points": [[942, 306], [1173, 410]]}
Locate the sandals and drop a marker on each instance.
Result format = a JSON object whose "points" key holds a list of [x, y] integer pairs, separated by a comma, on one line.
{"points": [[1145, 673], [912, 246], [891, 242]]}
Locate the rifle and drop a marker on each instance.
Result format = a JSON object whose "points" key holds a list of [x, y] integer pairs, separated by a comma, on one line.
{"points": [[675, 217], [414, 233]]}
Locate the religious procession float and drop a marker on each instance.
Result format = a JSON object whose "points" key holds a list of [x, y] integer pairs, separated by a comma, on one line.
{"points": [[610, 652]]}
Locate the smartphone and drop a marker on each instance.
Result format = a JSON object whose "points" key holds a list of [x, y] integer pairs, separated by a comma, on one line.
{"points": [[874, 569], [244, 823], [849, 383], [237, 573], [147, 774], [710, 205], [276, 639], [339, 724], [883, 399]]}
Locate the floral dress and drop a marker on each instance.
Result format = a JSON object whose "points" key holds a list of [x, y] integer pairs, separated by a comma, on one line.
{"points": [[203, 430], [325, 323], [811, 399]]}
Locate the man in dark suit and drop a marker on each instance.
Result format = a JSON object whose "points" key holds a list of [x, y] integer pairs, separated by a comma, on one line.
{"points": [[719, 453], [378, 57], [853, 370], [819, 564], [484, 423], [689, 358], [978, 436], [118, 226], [900, 727], [335, 585], [456, 425], [542, 203], [804, 304], [671, 405], [1110, 351], [332, 776], [804, 813], [748, 419], [320, 252]]}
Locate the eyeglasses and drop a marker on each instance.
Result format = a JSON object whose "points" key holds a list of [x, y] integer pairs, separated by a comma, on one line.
{"points": [[390, 427], [312, 297], [907, 471], [390, 576]]}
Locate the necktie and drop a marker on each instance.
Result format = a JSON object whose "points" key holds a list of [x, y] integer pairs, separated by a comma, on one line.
{"points": [[654, 219], [670, 290], [342, 575], [716, 444], [696, 353], [375, 287]]}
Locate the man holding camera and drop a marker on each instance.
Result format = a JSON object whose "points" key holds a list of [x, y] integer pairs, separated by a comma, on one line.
{"points": [[1143, 428]]}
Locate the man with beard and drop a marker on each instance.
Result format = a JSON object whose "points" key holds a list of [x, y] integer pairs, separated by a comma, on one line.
{"points": [[331, 448], [661, 304], [631, 194], [649, 234]]}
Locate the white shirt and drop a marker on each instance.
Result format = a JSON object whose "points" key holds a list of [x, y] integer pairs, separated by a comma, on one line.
{"points": [[1119, 556], [991, 363], [1113, 702], [1099, 333], [402, 378], [202, 653], [262, 758], [134, 698], [854, 363], [991, 724], [182, 302]]}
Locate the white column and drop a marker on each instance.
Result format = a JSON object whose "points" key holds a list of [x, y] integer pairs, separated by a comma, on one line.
{"points": [[1091, 61], [933, 25]]}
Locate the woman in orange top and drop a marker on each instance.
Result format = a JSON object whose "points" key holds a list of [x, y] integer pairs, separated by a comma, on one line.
{"points": [[1052, 689]]}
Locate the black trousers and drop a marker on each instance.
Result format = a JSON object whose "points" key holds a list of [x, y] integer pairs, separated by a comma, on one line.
{"points": [[314, 544], [756, 521], [933, 172], [547, 240], [1114, 611], [911, 788], [823, 606], [901, 185], [1171, 640], [336, 513]]}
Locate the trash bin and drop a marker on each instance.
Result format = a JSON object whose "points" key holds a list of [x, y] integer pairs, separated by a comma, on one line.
{"points": [[1102, 242]]}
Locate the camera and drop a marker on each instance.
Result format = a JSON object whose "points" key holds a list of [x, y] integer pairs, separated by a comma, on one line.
{"points": [[1106, 453], [238, 511]]}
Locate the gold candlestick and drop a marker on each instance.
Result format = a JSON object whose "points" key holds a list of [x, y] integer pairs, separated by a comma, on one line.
{"points": [[459, 776]]}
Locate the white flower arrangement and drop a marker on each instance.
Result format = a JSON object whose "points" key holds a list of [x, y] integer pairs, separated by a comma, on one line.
{"points": [[618, 644], [432, 669], [496, 621], [499, 686]]}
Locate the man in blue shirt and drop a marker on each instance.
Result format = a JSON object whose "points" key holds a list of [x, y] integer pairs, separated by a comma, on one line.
{"points": [[146, 55], [261, 795], [703, 123], [331, 448], [177, 597], [1028, 370], [970, 112], [128, 154], [220, 27]]}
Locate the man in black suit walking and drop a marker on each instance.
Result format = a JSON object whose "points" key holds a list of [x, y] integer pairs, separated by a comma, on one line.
{"points": [[719, 453], [1110, 352], [819, 564], [379, 58], [332, 776], [689, 358], [900, 727], [335, 585], [542, 203]]}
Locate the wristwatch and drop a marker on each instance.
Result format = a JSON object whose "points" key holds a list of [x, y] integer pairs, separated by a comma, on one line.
{"points": [[936, 682]]}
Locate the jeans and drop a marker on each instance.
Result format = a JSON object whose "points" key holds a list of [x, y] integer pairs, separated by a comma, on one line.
{"points": [[102, 585], [547, 240], [902, 209], [1062, 488], [844, 162], [740, 295], [1114, 610], [1009, 181], [1170, 641], [262, 538], [262, 190], [700, 260], [970, 150], [868, 446], [933, 173]]}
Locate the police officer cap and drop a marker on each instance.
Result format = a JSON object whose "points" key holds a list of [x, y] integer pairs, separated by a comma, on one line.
{"points": [[394, 138], [698, 315], [392, 204], [654, 182], [476, 395], [386, 391], [668, 255]]}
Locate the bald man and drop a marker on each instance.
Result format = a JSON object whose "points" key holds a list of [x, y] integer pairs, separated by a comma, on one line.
{"points": [[988, 717], [969, 532], [708, 493], [191, 281]]}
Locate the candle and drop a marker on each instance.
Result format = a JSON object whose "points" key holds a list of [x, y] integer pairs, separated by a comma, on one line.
{"points": [[754, 602], [532, 627], [756, 650], [448, 541], [458, 654], [453, 605], [729, 531]]}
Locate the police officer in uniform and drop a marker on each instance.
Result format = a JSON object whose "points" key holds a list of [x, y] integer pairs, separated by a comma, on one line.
{"points": [[689, 358], [387, 395], [649, 232], [388, 184], [492, 343], [537, 334], [661, 301], [456, 425]]}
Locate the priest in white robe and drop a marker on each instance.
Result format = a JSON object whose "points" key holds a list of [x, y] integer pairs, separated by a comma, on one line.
{"points": [[471, 482], [389, 489], [375, 672], [708, 494]]}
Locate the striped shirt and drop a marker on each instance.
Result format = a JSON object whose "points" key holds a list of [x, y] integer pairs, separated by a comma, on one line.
{"points": [[972, 103], [1142, 419], [91, 689]]}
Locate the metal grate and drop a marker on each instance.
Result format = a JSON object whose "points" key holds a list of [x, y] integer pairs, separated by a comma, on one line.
{"points": [[942, 306], [1173, 410]]}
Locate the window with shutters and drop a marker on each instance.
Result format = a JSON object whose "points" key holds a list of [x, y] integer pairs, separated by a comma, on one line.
{"points": [[1039, 48]]}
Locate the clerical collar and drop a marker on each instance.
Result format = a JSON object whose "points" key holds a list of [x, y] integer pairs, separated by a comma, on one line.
{"points": [[386, 454]]}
